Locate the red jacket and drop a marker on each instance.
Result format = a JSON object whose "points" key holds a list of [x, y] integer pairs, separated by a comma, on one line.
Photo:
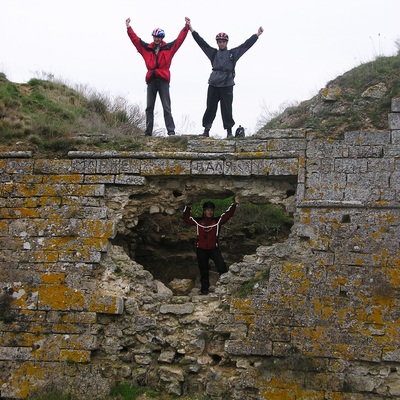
{"points": [[208, 228], [158, 65]]}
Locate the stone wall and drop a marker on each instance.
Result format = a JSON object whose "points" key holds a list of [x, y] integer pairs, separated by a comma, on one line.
{"points": [[314, 317]]}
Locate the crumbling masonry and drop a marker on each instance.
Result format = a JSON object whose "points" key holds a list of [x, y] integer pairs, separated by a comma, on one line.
{"points": [[321, 320]]}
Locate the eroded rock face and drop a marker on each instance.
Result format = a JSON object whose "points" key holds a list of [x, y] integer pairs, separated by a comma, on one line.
{"points": [[152, 232], [313, 316]]}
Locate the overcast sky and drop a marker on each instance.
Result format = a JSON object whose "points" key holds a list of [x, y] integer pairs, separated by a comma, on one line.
{"points": [[305, 44]]}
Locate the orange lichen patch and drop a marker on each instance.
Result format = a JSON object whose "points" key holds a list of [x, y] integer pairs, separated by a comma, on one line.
{"points": [[325, 310], [242, 305], [79, 318], [24, 380], [3, 226], [75, 356], [245, 318], [381, 259], [319, 343], [53, 278], [340, 281], [60, 297], [22, 296], [272, 393], [352, 316], [42, 201], [43, 256], [23, 339], [296, 273], [97, 228], [279, 389], [393, 273], [105, 304], [20, 212], [73, 178]]}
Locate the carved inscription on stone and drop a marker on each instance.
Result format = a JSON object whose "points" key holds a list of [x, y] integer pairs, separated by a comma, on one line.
{"points": [[208, 167]]}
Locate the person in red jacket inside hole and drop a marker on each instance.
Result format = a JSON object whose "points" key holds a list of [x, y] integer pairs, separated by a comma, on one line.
{"points": [[207, 247], [158, 57]]}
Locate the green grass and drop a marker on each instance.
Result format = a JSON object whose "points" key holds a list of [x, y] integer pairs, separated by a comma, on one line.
{"points": [[51, 395], [254, 219], [350, 111], [125, 391], [47, 114]]}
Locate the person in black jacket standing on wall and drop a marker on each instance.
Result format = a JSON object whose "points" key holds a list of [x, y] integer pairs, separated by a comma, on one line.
{"points": [[221, 81]]}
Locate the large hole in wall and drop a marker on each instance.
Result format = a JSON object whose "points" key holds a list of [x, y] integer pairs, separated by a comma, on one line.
{"points": [[153, 233]]}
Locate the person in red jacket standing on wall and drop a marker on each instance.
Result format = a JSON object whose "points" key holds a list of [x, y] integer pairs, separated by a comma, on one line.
{"points": [[207, 247], [158, 57]]}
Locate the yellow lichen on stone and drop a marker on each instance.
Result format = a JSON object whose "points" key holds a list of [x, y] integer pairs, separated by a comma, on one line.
{"points": [[60, 297], [75, 356]]}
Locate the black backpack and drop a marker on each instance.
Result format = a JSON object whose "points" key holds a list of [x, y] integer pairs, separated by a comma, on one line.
{"points": [[240, 132]]}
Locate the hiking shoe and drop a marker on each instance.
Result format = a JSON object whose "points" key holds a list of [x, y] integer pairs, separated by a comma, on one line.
{"points": [[171, 133], [203, 292], [229, 133], [206, 132]]}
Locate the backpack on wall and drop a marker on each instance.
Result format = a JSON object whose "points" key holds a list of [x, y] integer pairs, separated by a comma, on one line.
{"points": [[240, 132]]}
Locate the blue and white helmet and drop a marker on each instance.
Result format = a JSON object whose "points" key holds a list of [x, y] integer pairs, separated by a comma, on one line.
{"points": [[158, 32]]}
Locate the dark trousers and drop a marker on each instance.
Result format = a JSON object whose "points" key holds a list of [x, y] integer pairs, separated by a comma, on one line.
{"points": [[203, 257], [160, 86], [224, 96]]}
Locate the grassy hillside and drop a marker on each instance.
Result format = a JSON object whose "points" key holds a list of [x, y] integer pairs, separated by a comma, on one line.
{"points": [[49, 115], [360, 99]]}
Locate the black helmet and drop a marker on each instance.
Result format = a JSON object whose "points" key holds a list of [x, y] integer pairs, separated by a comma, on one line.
{"points": [[208, 204]]}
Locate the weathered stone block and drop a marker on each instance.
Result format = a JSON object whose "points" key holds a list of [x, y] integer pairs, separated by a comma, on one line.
{"points": [[165, 167], [254, 348], [237, 167], [107, 166], [396, 104], [108, 179], [130, 180], [51, 166], [207, 167], [19, 166], [178, 309], [275, 167], [75, 356], [211, 146], [280, 133], [16, 353], [105, 304], [394, 121], [367, 138], [129, 166]]}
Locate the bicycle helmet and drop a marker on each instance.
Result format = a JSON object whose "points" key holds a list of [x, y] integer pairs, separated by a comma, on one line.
{"points": [[158, 32], [208, 204], [222, 36]]}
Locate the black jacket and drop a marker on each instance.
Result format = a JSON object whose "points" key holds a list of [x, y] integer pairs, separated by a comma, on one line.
{"points": [[223, 61]]}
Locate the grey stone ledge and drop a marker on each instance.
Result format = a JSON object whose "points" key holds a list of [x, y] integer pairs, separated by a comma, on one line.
{"points": [[280, 134], [344, 204], [16, 154], [178, 309], [184, 155]]}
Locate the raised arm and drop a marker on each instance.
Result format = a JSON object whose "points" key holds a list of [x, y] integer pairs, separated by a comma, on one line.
{"points": [[228, 214], [186, 216], [189, 24]]}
